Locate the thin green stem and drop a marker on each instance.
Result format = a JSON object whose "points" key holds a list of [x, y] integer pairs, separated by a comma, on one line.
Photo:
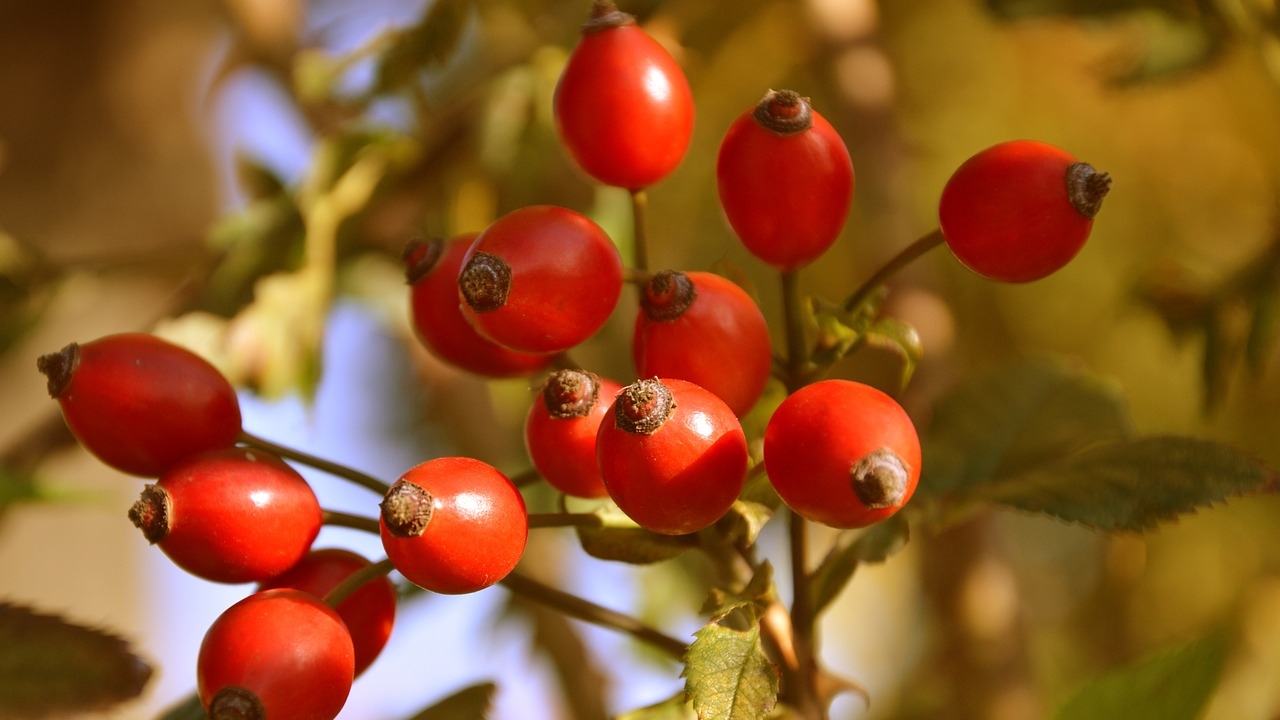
{"points": [[896, 263], [336, 469], [797, 350], [551, 520], [587, 611], [528, 477], [335, 518], [355, 581], [639, 210], [803, 621]]}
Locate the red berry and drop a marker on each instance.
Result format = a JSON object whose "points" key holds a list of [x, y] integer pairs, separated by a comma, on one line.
{"points": [[141, 404], [623, 108], [560, 431], [276, 655], [540, 279], [842, 453], [454, 525], [1020, 210], [369, 613], [785, 180], [432, 271], [701, 327], [233, 516], [672, 455]]}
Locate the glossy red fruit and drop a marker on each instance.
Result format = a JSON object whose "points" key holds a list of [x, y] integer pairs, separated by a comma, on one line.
{"points": [[672, 455], [1020, 210], [560, 430], [141, 404], [432, 268], [454, 525], [233, 516], [369, 613], [623, 107], [702, 327], [540, 279], [785, 180], [276, 655], [842, 453]]}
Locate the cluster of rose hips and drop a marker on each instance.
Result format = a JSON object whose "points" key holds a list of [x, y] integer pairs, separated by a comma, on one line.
{"points": [[511, 301]]}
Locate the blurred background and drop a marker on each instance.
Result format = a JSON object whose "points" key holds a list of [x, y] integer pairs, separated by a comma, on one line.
{"points": [[240, 176]]}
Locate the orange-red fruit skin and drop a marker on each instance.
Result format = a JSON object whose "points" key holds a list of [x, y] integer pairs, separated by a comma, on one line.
{"points": [[443, 329], [786, 196], [1006, 214], [623, 108], [477, 532], [566, 279], [720, 342], [140, 404], [563, 450], [369, 612], [238, 515], [819, 432], [686, 475], [286, 647]]}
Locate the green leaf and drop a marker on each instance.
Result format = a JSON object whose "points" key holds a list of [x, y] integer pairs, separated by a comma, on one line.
{"points": [[874, 545], [727, 675], [1013, 418], [1175, 685], [430, 42], [900, 338], [1135, 485], [742, 524], [49, 666], [673, 708], [620, 539], [754, 597], [471, 703], [188, 708]]}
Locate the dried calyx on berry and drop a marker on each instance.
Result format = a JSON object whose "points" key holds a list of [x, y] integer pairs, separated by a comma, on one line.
{"points": [[485, 282], [571, 393], [236, 703], [784, 112], [644, 406], [1087, 187], [420, 257], [667, 295], [406, 509], [605, 15], [880, 478]]}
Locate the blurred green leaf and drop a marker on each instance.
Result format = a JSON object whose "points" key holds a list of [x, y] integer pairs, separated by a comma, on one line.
{"points": [[50, 666], [874, 545], [1175, 685], [673, 708], [1135, 485], [471, 703], [900, 338], [754, 597], [728, 676], [620, 539], [189, 708], [1078, 8], [430, 42], [1013, 418]]}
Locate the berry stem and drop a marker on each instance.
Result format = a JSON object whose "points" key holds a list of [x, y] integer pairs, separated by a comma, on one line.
{"points": [[335, 469], [355, 581], [587, 611], [551, 520], [797, 350], [803, 622], [640, 241], [337, 518], [896, 263]]}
